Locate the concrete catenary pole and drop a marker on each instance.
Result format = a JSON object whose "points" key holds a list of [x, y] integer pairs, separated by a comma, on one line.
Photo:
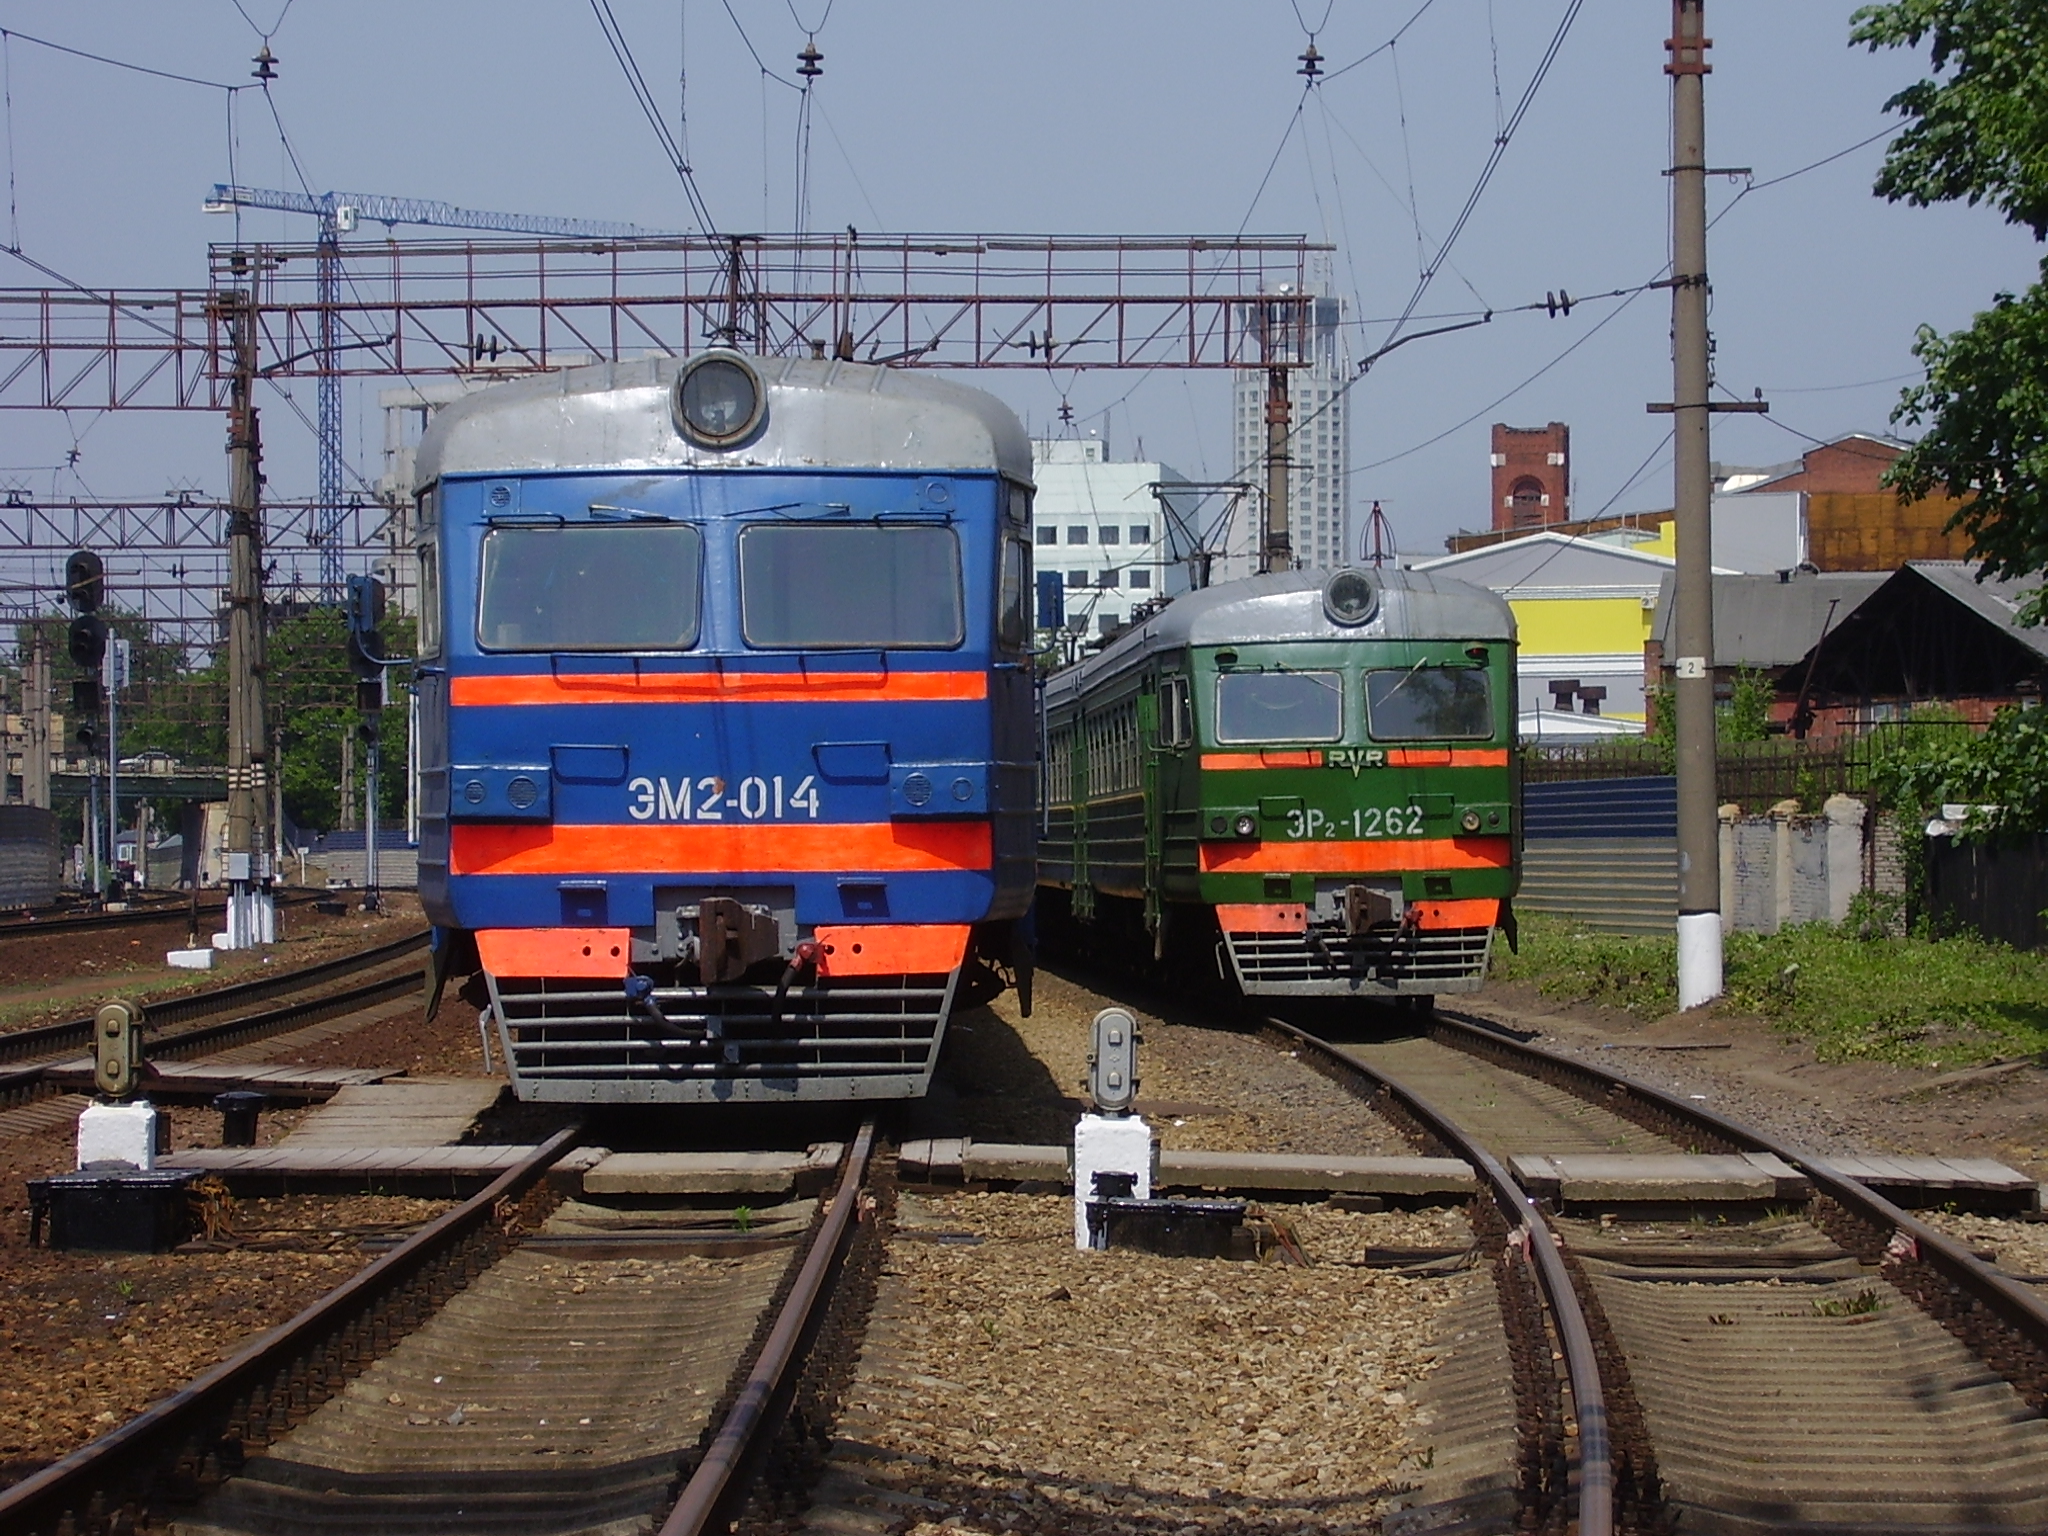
{"points": [[1699, 860], [35, 705], [251, 916], [1275, 551]]}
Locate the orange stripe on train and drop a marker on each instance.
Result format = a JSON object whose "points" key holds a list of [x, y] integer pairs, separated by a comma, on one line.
{"points": [[1292, 917], [593, 953], [1227, 761], [715, 687], [1448, 757], [506, 849], [891, 949], [1356, 858]]}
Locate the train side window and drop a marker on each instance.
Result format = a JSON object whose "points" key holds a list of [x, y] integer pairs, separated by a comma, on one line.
{"points": [[1176, 727], [1256, 707], [830, 585], [430, 602], [1013, 615], [590, 587], [1429, 703]]}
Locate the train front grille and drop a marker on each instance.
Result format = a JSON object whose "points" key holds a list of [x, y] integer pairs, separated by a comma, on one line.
{"points": [[869, 1038], [1321, 962]]}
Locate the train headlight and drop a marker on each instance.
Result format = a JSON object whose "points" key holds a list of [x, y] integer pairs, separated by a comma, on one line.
{"points": [[1470, 821], [1245, 825], [1350, 597], [718, 401]]}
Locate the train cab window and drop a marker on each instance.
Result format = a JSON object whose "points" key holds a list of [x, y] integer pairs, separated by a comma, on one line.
{"points": [[1279, 706], [830, 585], [590, 587], [429, 644], [1013, 613], [1427, 702]]}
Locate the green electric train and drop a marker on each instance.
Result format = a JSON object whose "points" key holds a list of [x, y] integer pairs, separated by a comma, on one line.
{"points": [[1301, 783]]}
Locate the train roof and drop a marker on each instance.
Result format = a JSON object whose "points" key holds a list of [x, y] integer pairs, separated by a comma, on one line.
{"points": [[1288, 605], [820, 414]]}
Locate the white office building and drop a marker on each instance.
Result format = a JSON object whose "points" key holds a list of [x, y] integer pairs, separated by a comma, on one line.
{"points": [[1318, 517], [1105, 529]]}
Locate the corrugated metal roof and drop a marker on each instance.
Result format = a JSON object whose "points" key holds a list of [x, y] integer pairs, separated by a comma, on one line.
{"points": [[616, 416], [1766, 621]]}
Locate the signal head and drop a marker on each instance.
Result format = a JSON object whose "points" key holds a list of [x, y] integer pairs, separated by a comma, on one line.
{"points": [[87, 641], [84, 580]]}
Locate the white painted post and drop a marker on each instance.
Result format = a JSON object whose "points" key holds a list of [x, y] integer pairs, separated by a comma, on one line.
{"points": [[1845, 814]]}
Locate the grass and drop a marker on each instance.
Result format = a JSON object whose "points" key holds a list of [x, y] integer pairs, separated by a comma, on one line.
{"points": [[1858, 994], [1865, 1303]]}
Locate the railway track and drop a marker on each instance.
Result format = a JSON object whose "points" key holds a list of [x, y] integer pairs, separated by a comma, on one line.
{"points": [[139, 914], [500, 1370], [1848, 1370], [213, 1020]]}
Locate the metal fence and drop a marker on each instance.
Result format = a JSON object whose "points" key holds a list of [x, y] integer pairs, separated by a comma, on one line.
{"points": [[1605, 854], [1752, 774], [1996, 890]]}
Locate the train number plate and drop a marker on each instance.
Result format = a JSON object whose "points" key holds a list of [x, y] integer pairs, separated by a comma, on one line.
{"points": [[1358, 823], [713, 798]]}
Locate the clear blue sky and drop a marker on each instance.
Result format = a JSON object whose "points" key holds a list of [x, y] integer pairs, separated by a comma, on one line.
{"points": [[1058, 116]]}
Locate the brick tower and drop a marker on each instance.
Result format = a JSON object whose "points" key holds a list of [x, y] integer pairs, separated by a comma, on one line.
{"points": [[1532, 475]]}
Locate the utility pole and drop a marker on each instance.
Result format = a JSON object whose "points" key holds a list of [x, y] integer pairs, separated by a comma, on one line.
{"points": [[1699, 832], [252, 917]]}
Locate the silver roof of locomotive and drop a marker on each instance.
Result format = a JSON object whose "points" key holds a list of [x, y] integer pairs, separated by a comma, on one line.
{"points": [[1288, 605], [820, 414]]}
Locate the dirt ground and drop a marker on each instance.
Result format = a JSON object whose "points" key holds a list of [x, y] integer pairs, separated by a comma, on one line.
{"points": [[62, 976], [1003, 1077], [1748, 1068], [89, 1339]]}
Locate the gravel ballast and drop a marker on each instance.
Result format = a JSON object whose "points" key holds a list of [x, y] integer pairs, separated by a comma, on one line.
{"points": [[1009, 1382]]}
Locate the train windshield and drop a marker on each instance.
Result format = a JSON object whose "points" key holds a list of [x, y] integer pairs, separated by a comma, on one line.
{"points": [[1429, 703], [827, 585], [590, 587], [1279, 706]]}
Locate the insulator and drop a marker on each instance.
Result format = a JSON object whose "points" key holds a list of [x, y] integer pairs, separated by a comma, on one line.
{"points": [[809, 60], [1311, 64]]}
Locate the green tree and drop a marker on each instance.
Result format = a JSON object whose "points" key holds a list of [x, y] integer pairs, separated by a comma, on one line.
{"points": [[313, 697], [2003, 771], [1978, 133], [1747, 716]]}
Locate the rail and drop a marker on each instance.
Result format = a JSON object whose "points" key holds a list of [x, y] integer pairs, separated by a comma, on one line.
{"points": [[1981, 1295], [1595, 1480], [711, 1496], [164, 1454]]}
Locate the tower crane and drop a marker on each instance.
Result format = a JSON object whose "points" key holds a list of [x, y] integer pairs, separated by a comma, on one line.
{"points": [[339, 213]]}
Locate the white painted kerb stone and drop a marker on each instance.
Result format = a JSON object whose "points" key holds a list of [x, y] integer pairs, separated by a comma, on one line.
{"points": [[1109, 1144], [118, 1133]]}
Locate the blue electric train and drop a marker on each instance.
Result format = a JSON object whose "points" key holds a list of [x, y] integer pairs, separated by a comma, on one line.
{"points": [[727, 751]]}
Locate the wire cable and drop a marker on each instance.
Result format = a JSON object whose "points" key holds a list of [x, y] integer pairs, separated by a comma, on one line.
{"points": [[140, 69], [608, 23]]}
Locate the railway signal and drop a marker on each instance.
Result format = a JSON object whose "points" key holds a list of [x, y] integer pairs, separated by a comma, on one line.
{"points": [[85, 583]]}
